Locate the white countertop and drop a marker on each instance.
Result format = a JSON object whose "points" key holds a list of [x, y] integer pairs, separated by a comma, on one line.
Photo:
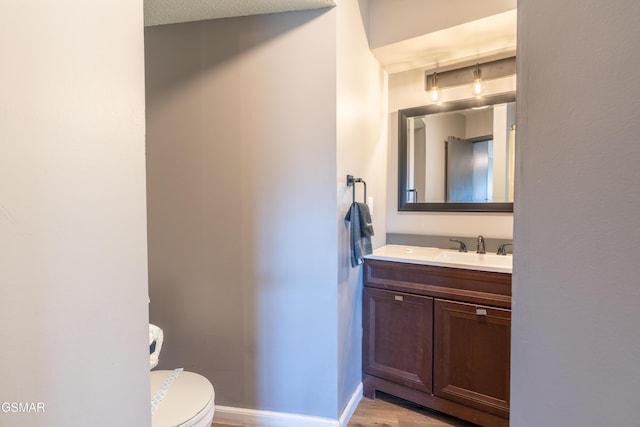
{"points": [[444, 258]]}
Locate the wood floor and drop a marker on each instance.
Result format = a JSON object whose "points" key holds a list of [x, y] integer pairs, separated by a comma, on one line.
{"points": [[388, 411]]}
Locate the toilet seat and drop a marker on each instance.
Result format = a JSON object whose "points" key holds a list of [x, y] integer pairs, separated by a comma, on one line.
{"points": [[181, 399]]}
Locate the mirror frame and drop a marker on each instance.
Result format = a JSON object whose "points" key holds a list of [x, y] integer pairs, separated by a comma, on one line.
{"points": [[403, 116]]}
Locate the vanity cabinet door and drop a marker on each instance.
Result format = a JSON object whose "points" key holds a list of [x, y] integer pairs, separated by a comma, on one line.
{"points": [[471, 355], [398, 337]]}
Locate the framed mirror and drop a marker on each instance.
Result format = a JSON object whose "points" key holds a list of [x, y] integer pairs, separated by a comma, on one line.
{"points": [[458, 156]]}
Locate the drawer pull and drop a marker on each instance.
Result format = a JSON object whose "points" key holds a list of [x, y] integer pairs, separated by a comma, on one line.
{"points": [[398, 298], [481, 311]]}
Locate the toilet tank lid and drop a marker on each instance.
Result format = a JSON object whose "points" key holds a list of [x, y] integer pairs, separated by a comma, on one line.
{"points": [[185, 395]]}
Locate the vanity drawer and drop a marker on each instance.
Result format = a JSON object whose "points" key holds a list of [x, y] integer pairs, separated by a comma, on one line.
{"points": [[480, 287]]}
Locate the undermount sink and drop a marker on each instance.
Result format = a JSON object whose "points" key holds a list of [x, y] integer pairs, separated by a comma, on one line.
{"points": [[476, 259]]}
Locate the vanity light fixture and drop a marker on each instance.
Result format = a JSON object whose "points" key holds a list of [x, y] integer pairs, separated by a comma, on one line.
{"points": [[435, 90], [478, 87], [478, 74]]}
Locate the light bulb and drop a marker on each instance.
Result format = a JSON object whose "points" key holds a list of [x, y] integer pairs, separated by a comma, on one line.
{"points": [[435, 94], [478, 87], [435, 90]]}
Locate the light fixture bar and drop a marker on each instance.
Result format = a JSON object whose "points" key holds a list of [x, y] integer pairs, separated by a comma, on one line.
{"points": [[466, 75]]}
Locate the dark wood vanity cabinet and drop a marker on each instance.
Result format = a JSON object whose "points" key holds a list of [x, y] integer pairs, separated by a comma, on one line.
{"points": [[399, 340], [439, 337], [471, 355]]}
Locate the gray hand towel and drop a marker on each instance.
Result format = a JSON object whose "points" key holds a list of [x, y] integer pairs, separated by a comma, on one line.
{"points": [[360, 233]]}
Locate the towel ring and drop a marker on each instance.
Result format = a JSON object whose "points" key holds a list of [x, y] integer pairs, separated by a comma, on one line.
{"points": [[351, 183]]}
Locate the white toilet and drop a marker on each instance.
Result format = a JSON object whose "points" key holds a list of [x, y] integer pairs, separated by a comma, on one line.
{"points": [[186, 399], [178, 398]]}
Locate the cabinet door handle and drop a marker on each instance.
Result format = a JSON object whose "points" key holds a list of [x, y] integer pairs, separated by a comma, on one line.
{"points": [[398, 298], [481, 311]]}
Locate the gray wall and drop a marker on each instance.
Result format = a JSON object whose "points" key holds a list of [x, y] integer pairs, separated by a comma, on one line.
{"points": [[241, 162], [361, 151], [73, 264], [576, 341]]}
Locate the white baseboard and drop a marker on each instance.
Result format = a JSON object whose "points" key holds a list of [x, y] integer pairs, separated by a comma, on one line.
{"points": [[240, 416], [351, 406]]}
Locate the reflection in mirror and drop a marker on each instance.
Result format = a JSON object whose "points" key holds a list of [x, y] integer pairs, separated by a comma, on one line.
{"points": [[458, 157]]}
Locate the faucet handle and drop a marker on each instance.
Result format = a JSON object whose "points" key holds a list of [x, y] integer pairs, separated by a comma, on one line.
{"points": [[502, 249], [462, 248]]}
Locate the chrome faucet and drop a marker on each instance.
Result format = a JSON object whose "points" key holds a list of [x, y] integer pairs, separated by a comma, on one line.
{"points": [[480, 248], [502, 249]]}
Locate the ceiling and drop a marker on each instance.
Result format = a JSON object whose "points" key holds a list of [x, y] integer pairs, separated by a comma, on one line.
{"points": [[159, 12], [489, 38], [492, 37]]}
